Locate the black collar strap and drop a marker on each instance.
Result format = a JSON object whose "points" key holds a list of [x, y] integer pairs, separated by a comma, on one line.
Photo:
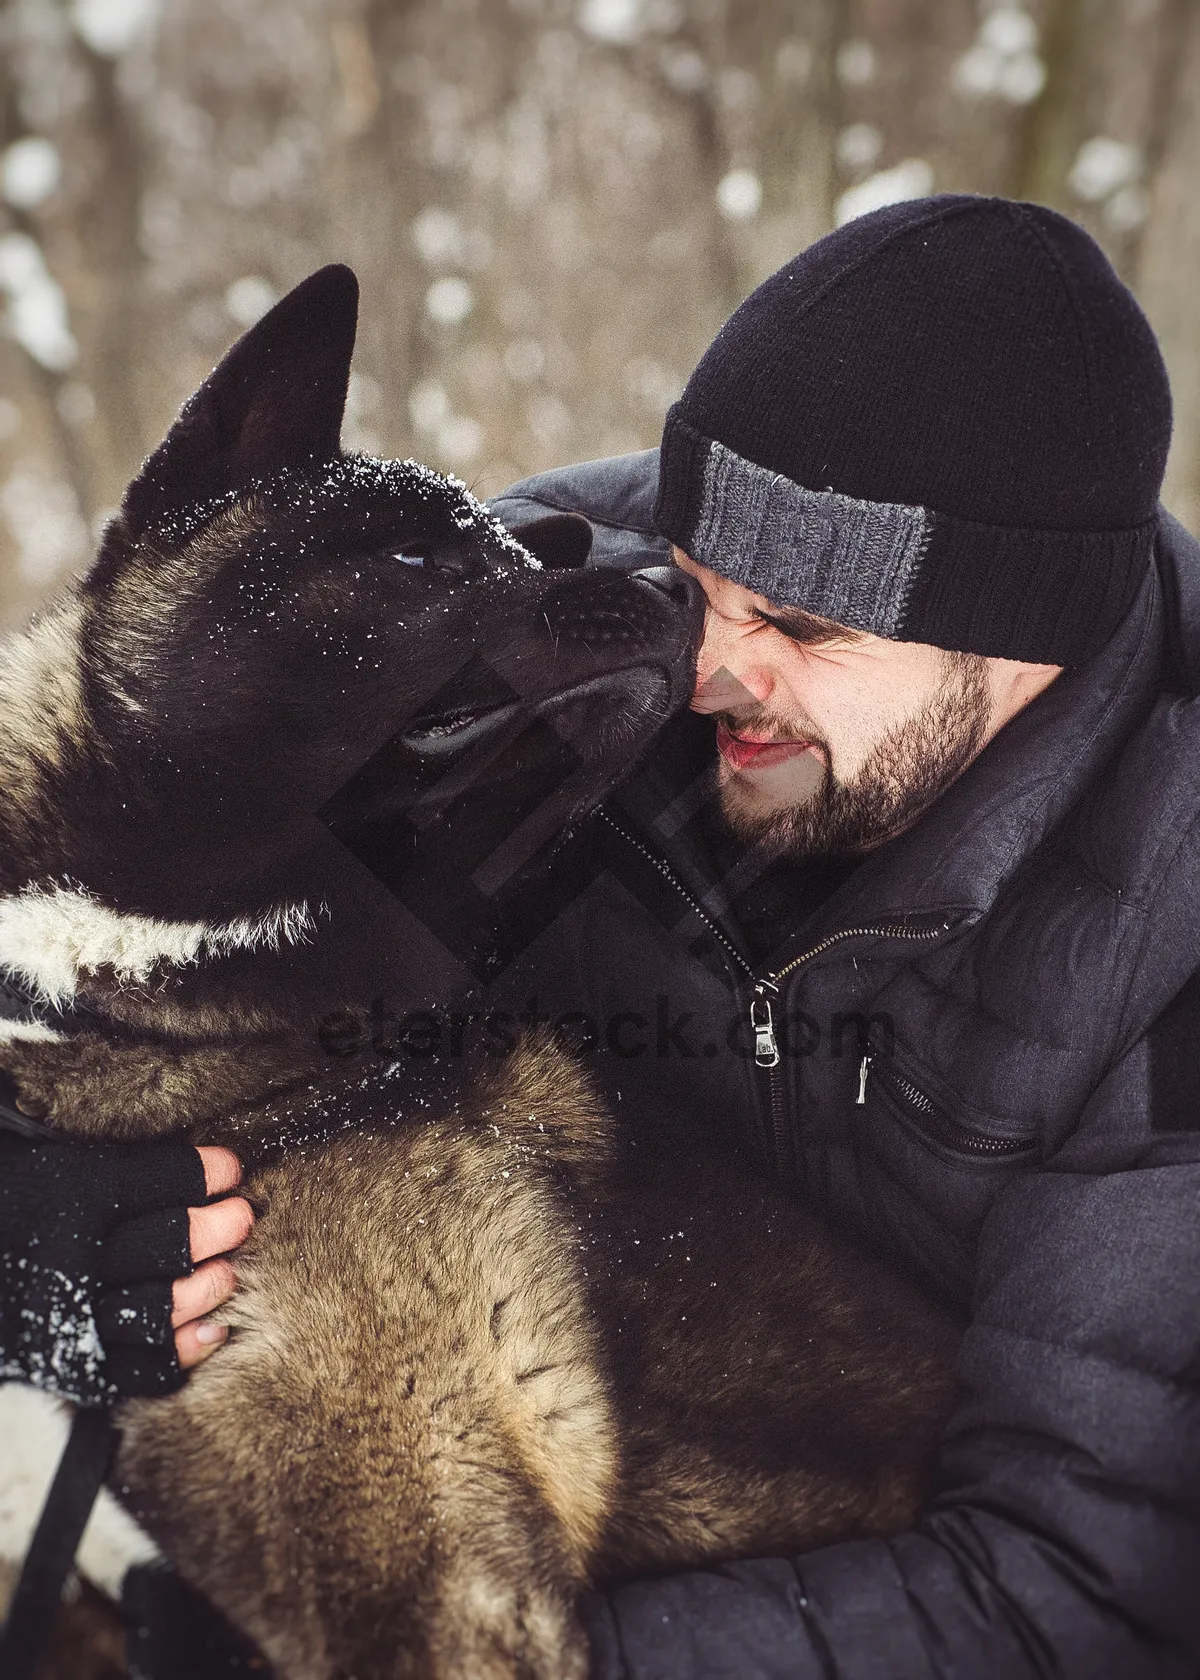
{"points": [[77, 1482]]}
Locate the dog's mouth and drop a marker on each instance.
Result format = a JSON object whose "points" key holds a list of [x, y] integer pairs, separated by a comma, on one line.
{"points": [[446, 733], [451, 732], [549, 756]]}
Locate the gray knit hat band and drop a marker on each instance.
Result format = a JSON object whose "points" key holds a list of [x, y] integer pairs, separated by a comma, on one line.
{"points": [[910, 573], [836, 556]]}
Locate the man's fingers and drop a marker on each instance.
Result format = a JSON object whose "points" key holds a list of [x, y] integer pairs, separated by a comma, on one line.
{"points": [[207, 1287], [217, 1229], [222, 1169], [190, 1348], [212, 1231]]}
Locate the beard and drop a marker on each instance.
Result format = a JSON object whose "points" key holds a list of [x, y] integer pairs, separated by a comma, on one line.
{"points": [[902, 775]]}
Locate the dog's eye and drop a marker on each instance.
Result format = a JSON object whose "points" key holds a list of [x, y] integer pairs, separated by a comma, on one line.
{"points": [[449, 555]]}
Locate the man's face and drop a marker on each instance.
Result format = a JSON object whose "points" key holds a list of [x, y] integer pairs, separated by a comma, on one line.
{"points": [[830, 740]]}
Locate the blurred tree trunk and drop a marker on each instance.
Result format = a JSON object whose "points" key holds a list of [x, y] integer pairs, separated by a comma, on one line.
{"points": [[551, 204]]}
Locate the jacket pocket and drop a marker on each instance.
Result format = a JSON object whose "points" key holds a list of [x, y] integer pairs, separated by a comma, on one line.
{"points": [[932, 1122]]}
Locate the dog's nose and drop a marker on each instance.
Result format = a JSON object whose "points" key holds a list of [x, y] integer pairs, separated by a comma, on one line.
{"points": [[610, 605], [675, 584]]}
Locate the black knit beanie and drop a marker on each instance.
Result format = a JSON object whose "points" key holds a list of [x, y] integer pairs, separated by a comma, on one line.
{"points": [[947, 422]]}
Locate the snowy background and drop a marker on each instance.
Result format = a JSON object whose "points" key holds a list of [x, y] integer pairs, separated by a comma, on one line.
{"points": [[551, 204]]}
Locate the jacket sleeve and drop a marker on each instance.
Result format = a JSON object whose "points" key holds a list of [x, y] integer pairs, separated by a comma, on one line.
{"points": [[616, 495], [1064, 1536]]}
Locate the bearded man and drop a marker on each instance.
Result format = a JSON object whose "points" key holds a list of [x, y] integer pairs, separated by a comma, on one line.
{"points": [[921, 933]]}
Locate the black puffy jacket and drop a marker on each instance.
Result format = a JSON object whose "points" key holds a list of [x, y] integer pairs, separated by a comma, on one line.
{"points": [[990, 1066]]}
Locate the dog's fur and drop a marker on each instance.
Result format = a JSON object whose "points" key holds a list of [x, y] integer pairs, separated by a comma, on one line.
{"points": [[486, 1350]]}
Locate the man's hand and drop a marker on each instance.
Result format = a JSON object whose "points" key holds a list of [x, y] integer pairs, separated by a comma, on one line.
{"points": [[95, 1240], [214, 1231]]}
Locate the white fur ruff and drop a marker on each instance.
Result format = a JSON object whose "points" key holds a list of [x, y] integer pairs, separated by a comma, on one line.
{"points": [[50, 936], [28, 1031]]}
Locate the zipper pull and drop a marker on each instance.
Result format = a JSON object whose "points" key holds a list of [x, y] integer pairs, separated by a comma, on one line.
{"points": [[766, 1050], [864, 1068]]}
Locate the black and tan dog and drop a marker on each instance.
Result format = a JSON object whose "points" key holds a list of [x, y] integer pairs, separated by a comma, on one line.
{"points": [[472, 1370]]}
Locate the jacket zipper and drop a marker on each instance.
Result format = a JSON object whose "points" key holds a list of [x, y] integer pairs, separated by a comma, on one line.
{"points": [[762, 1020], [665, 869], [766, 1047], [940, 1127], [764, 1036]]}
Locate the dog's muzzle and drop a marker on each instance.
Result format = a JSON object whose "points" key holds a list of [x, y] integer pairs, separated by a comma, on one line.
{"points": [[611, 624]]}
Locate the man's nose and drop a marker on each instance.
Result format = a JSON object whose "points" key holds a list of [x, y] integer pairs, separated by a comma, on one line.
{"points": [[728, 674]]}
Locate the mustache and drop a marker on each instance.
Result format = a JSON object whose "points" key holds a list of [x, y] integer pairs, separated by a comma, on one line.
{"points": [[759, 721]]}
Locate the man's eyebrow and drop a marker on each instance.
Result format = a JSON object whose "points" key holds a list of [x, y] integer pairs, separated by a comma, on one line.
{"points": [[806, 627]]}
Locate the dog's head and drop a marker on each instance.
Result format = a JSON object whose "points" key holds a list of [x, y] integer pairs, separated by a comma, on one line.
{"points": [[275, 629]]}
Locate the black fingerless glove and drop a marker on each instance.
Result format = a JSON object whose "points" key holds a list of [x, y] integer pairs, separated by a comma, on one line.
{"points": [[91, 1238]]}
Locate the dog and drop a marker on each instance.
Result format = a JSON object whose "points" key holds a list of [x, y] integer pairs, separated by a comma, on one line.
{"points": [[486, 1350]]}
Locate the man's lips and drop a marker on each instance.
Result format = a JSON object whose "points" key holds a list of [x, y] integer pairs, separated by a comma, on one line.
{"points": [[745, 753]]}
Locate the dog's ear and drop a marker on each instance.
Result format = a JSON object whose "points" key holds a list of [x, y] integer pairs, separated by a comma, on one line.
{"points": [[275, 400], [559, 540]]}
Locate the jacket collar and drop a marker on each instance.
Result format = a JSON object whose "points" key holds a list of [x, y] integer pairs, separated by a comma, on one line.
{"points": [[1178, 557]]}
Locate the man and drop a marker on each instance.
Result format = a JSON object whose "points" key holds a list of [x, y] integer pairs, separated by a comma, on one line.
{"points": [[920, 934], [926, 948]]}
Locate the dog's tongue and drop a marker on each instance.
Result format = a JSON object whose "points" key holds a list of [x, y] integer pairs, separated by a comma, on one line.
{"points": [[756, 755]]}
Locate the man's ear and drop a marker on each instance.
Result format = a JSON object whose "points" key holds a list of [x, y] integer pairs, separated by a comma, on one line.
{"points": [[274, 401], [559, 540]]}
